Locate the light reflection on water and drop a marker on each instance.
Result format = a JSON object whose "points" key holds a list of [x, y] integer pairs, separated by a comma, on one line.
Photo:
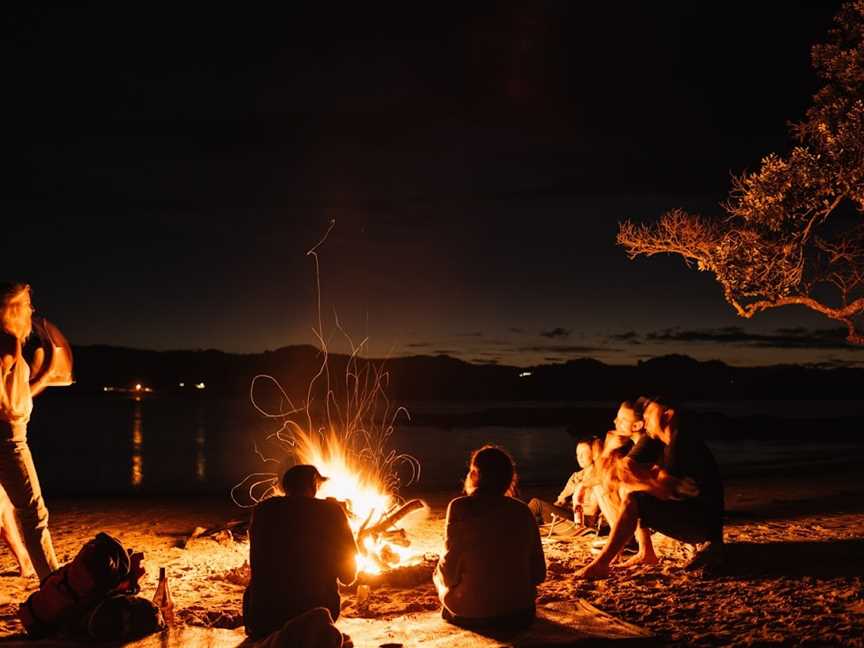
{"points": [[137, 476], [200, 443], [208, 445]]}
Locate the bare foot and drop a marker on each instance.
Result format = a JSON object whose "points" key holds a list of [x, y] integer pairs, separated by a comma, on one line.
{"points": [[593, 571], [640, 559]]}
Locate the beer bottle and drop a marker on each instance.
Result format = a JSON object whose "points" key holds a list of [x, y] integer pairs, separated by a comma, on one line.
{"points": [[163, 599]]}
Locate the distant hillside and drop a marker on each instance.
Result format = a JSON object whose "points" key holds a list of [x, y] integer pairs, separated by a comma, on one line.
{"points": [[448, 379]]}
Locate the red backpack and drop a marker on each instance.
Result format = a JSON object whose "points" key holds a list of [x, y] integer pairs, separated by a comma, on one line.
{"points": [[101, 568]]}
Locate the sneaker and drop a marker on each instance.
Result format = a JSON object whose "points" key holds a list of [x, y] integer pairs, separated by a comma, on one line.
{"points": [[709, 554]]}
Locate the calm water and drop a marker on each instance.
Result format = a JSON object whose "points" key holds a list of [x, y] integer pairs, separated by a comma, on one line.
{"points": [[115, 444]]}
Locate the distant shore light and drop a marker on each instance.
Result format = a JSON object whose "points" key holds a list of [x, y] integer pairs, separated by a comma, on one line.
{"points": [[524, 374], [138, 387], [199, 385], [182, 384]]}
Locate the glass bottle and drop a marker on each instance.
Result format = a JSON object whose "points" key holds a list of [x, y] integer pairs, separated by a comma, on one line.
{"points": [[163, 599]]}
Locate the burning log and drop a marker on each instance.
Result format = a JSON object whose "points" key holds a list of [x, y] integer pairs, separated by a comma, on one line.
{"points": [[397, 537], [401, 577], [386, 522]]}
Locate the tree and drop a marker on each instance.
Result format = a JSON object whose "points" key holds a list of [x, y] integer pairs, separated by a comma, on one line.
{"points": [[783, 240]]}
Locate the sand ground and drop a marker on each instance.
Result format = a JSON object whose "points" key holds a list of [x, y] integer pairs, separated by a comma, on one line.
{"points": [[794, 576]]}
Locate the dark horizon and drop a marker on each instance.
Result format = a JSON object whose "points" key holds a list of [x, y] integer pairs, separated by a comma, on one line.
{"points": [[479, 361]]}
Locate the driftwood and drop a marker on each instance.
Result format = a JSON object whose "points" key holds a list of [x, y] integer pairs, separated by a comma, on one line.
{"points": [[387, 521]]}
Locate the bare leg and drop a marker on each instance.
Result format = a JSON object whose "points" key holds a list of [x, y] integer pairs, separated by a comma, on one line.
{"points": [[10, 534], [19, 478], [622, 530], [646, 554], [609, 504]]}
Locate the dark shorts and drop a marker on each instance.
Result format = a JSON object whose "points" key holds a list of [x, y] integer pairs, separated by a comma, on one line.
{"points": [[692, 520]]}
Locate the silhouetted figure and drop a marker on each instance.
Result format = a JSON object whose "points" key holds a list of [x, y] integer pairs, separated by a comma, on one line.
{"points": [[299, 546], [493, 559], [17, 389]]}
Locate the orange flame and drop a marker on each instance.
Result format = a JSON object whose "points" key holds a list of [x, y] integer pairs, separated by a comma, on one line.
{"points": [[352, 481]]}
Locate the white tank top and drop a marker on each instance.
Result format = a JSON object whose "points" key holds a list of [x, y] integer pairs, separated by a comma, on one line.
{"points": [[16, 403]]}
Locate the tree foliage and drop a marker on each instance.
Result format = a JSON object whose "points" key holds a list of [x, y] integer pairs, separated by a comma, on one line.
{"points": [[782, 240]]}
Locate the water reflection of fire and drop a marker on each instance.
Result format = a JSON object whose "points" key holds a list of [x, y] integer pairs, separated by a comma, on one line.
{"points": [[372, 510]]}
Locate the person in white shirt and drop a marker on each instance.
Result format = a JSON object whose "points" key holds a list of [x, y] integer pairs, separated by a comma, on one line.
{"points": [[575, 502], [17, 389]]}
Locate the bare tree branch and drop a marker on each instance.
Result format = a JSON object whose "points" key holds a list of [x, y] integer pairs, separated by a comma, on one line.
{"points": [[779, 243]]}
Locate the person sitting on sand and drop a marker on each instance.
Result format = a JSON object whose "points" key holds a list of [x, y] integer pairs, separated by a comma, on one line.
{"points": [[493, 558], [12, 537], [298, 547], [680, 496], [582, 508]]}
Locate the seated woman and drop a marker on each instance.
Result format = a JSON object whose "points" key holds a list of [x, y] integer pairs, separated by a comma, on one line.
{"points": [[493, 559], [582, 505]]}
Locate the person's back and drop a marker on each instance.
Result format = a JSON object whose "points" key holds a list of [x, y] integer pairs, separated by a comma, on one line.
{"points": [[299, 546], [494, 559]]}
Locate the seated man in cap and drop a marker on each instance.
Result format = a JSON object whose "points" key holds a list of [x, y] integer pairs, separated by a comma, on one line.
{"points": [[299, 546]]}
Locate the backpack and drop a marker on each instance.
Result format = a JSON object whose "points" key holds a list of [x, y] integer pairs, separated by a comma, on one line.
{"points": [[67, 595]]}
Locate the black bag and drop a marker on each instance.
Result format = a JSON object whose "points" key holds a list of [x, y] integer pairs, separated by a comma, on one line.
{"points": [[67, 596], [122, 617]]}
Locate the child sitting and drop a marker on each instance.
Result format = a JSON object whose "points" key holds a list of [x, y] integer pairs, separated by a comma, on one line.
{"points": [[582, 508]]}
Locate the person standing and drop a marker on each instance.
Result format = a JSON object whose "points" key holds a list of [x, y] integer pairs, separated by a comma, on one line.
{"points": [[17, 470]]}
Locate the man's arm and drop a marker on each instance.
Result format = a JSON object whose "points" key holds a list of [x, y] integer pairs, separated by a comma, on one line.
{"points": [[569, 488], [346, 558], [636, 477], [56, 373]]}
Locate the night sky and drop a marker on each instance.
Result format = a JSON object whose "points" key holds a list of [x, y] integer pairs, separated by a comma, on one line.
{"points": [[169, 169]]}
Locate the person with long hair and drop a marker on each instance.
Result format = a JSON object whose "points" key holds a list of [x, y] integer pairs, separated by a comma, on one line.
{"points": [[17, 389], [493, 558]]}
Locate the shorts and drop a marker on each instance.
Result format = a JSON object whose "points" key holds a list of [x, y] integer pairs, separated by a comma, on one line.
{"points": [[691, 520]]}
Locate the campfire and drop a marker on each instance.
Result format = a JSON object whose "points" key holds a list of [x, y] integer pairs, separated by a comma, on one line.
{"points": [[343, 428], [373, 510]]}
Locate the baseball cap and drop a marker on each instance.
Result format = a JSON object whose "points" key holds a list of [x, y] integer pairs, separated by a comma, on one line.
{"points": [[300, 477]]}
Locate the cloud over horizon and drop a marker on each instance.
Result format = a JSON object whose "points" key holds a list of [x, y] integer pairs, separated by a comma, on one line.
{"points": [[556, 332], [781, 338]]}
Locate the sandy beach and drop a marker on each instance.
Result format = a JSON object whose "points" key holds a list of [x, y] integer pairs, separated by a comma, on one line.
{"points": [[794, 574]]}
